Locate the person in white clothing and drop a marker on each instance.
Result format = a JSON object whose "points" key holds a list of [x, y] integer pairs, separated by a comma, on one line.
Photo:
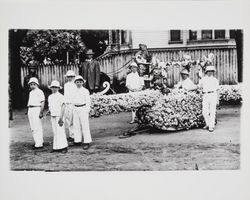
{"points": [[210, 86], [69, 90], [81, 103], [134, 83], [56, 107], [35, 112], [186, 83]]}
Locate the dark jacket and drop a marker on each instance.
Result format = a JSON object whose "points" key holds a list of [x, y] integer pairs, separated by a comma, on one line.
{"points": [[90, 71]]}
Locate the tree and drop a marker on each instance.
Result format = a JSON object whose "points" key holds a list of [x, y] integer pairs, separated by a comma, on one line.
{"points": [[60, 46], [96, 40], [15, 90]]}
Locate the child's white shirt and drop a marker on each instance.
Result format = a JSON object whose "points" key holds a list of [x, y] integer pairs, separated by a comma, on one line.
{"points": [[81, 97], [209, 84], [56, 101], [69, 91], [36, 97], [186, 84], [134, 81]]}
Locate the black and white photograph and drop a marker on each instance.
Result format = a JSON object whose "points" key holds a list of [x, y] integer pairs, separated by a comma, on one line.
{"points": [[125, 100]]}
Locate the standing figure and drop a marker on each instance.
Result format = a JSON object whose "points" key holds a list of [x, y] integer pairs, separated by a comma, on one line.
{"points": [[186, 83], [210, 88], [134, 83], [26, 87], [81, 103], [90, 71], [35, 112], [69, 91], [56, 108], [143, 58]]}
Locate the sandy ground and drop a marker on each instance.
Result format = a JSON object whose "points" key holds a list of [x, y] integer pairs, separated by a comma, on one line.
{"points": [[149, 150]]}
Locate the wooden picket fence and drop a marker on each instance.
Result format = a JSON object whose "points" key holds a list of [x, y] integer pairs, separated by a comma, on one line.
{"points": [[225, 62], [47, 73], [114, 65]]}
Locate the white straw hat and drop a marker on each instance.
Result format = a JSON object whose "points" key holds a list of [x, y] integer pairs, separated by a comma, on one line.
{"points": [[185, 71], [33, 80], [133, 64], [70, 73], [55, 83], [210, 68], [78, 77]]}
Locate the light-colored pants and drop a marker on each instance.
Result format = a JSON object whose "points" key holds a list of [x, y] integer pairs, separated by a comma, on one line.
{"points": [[209, 108], [59, 139], [69, 119], [36, 125], [81, 125]]}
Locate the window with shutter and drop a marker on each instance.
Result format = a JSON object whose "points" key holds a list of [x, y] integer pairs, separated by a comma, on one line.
{"points": [[192, 35], [206, 34], [175, 35], [219, 34]]}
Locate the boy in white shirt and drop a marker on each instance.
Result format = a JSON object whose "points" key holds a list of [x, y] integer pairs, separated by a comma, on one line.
{"points": [[210, 87], [69, 90], [81, 103], [186, 83], [56, 108], [35, 112], [134, 83]]}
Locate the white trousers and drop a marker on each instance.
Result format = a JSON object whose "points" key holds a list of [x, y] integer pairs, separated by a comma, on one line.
{"points": [[133, 114], [36, 125], [69, 119], [81, 125], [209, 108], [59, 135]]}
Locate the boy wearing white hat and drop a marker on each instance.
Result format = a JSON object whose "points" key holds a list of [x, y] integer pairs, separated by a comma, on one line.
{"points": [[81, 103], [186, 83], [56, 108], [134, 83], [35, 112], [69, 90], [210, 87]]}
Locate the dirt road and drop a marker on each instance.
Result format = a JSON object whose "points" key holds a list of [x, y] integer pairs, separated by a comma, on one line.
{"points": [[150, 150]]}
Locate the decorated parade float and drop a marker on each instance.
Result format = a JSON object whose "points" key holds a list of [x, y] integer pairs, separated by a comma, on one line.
{"points": [[161, 107]]}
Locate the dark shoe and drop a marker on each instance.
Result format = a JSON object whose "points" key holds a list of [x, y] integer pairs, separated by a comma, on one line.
{"points": [[53, 151], [86, 146], [211, 129], [70, 139], [205, 127], [77, 144], [65, 150], [126, 135]]}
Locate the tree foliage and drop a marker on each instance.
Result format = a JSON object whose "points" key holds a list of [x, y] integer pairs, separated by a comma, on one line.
{"points": [[96, 40], [55, 44], [52, 44]]}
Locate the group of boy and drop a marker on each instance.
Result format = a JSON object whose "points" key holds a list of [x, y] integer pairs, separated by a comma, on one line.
{"points": [[71, 110], [68, 112]]}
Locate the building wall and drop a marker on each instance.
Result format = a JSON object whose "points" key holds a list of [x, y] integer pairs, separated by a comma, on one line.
{"points": [[153, 39], [162, 39]]}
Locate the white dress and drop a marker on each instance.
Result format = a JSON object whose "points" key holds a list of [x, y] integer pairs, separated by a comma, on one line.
{"points": [[56, 101]]}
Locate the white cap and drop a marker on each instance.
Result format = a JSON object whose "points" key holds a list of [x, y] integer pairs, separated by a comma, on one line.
{"points": [[78, 77], [210, 68], [55, 83], [133, 64], [70, 73], [185, 71], [33, 80]]}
